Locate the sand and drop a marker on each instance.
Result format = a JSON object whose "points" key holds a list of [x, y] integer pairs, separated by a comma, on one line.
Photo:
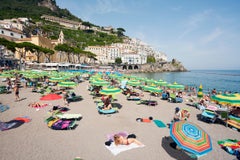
{"points": [[35, 141]]}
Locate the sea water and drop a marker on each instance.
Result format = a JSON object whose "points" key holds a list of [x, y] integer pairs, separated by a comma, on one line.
{"points": [[221, 80]]}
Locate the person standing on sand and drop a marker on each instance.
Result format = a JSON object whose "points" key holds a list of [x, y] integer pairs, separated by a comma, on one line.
{"points": [[65, 96], [16, 92]]}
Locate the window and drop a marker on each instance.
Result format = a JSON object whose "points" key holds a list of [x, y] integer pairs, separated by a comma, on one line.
{"points": [[2, 32], [11, 34]]}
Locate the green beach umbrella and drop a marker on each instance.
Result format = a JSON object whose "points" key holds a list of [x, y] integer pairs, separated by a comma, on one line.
{"points": [[227, 99], [99, 83], [57, 79], [110, 91], [153, 89], [200, 93], [175, 85], [133, 83], [67, 84]]}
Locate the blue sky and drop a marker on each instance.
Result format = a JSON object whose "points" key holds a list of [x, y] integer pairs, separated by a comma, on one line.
{"points": [[203, 34]]}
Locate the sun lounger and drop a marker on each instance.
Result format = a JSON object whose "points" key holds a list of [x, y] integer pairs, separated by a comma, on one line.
{"points": [[148, 102], [208, 116], [234, 122], [74, 98], [133, 98]]}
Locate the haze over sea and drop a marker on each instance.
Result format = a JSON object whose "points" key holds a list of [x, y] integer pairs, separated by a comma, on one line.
{"points": [[222, 80]]}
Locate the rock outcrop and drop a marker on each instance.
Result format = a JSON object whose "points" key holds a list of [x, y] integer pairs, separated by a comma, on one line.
{"points": [[51, 4], [173, 66]]}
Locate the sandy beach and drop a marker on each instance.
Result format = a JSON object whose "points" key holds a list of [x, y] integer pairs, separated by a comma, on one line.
{"points": [[35, 141]]}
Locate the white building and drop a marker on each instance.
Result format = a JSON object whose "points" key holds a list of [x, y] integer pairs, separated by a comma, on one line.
{"points": [[12, 33], [101, 53], [133, 58]]}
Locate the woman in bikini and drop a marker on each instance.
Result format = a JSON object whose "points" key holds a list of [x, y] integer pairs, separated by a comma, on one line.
{"points": [[120, 140]]}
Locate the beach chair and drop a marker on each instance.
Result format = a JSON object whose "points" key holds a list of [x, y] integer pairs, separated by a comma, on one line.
{"points": [[3, 90], [148, 102], [208, 116], [74, 98], [234, 122]]}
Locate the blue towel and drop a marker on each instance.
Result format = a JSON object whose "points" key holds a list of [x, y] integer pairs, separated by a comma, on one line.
{"points": [[159, 123], [3, 108]]}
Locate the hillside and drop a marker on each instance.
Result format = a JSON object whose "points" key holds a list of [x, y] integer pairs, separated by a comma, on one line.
{"points": [[32, 9]]}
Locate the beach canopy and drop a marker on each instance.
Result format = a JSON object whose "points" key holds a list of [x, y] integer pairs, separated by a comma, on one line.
{"points": [[50, 97], [110, 91], [175, 85], [227, 99], [133, 83], [67, 84], [191, 138], [99, 83], [200, 91], [152, 89]]}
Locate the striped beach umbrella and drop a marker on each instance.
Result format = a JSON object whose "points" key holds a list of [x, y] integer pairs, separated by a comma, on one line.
{"points": [[153, 89], [175, 85], [191, 138], [67, 84], [133, 83], [99, 83], [110, 91], [227, 99], [200, 92]]}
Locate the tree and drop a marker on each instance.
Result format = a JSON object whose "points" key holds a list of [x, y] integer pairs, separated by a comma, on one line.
{"points": [[151, 59], [8, 44], [25, 47], [118, 60], [120, 32]]}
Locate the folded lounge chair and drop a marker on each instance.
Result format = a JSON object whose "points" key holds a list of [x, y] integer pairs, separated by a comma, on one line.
{"points": [[148, 102], [74, 98]]}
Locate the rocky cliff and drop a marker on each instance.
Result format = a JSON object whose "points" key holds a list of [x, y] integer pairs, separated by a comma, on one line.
{"points": [[51, 4], [173, 66]]}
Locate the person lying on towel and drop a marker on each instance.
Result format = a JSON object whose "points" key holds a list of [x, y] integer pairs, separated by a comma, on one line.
{"points": [[120, 140]]}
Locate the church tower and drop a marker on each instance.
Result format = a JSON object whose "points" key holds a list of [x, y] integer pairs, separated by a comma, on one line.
{"points": [[61, 38]]}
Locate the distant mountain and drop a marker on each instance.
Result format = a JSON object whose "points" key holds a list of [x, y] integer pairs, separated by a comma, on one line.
{"points": [[33, 9]]}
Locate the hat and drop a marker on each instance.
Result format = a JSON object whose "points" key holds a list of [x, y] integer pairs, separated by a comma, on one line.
{"points": [[177, 109]]}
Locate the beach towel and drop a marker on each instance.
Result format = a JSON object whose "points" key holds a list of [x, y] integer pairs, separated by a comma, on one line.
{"points": [[69, 116], [159, 123], [115, 150], [3, 108], [231, 146], [25, 119]]}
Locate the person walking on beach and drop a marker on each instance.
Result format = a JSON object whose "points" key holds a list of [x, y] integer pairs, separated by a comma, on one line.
{"points": [[65, 96], [16, 92]]}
